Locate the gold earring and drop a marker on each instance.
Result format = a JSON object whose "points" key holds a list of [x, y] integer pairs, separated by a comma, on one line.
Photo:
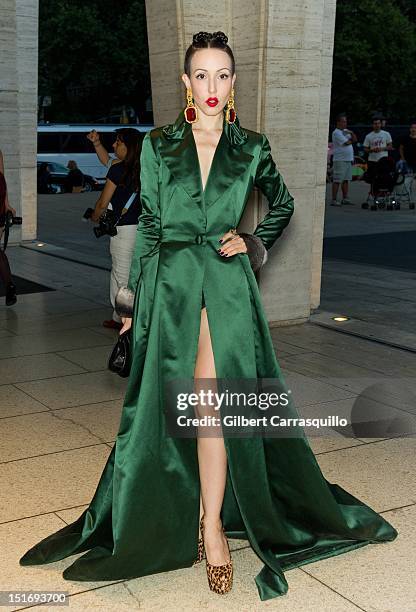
{"points": [[190, 112], [230, 114]]}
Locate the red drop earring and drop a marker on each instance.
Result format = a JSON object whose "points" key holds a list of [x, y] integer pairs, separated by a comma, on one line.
{"points": [[190, 112]]}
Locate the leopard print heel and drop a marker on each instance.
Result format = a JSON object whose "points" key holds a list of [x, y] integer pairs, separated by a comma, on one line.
{"points": [[201, 549], [200, 554], [220, 577]]}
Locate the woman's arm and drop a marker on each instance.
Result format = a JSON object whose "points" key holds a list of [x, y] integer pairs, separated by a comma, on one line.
{"points": [[148, 229], [100, 150], [104, 200], [102, 153], [269, 180]]}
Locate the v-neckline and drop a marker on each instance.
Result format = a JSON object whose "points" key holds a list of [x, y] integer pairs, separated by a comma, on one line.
{"points": [[204, 188]]}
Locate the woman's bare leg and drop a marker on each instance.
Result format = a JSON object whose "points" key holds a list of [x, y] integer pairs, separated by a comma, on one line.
{"points": [[212, 460]]}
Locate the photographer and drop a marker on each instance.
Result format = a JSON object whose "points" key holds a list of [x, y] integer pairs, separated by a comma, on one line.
{"points": [[122, 190], [5, 273]]}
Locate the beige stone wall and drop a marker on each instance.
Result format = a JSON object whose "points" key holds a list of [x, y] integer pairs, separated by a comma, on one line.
{"points": [[283, 51], [18, 107], [327, 49]]}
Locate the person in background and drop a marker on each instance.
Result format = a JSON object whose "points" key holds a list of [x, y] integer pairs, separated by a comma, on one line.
{"points": [[44, 179], [100, 149], [377, 144], [122, 189], [75, 177], [343, 158], [5, 272], [407, 149]]}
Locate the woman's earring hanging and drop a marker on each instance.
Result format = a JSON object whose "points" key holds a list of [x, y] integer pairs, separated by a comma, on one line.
{"points": [[190, 112], [230, 114]]}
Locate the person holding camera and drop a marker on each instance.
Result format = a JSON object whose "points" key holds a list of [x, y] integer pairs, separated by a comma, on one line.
{"points": [[122, 190], [5, 208]]}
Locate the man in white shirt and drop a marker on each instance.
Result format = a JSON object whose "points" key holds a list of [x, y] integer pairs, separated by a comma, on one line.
{"points": [[377, 144], [343, 158]]}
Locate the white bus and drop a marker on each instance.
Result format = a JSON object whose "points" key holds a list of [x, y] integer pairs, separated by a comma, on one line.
{"points": [[61, 142]]}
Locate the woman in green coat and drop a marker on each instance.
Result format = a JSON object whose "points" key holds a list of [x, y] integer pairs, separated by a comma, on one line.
{"points": [[197, 320]]}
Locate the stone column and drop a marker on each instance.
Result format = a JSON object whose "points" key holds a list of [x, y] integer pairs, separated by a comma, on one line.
{"points": [[283, 51], [18, 108]]}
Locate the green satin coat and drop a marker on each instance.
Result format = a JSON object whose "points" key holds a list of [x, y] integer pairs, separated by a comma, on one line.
{"points": [[144, 515]]}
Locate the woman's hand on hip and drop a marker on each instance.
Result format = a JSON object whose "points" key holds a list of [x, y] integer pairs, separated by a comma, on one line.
{"points": [[232, 244], [126, 324]]}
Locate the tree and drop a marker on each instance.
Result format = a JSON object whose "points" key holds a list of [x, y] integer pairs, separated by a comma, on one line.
{"points": [[374, 59], [93, 56], [408, 8]]}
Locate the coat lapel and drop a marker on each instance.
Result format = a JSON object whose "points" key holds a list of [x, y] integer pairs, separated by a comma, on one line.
{"points": [[230, 161], [179, 154]]}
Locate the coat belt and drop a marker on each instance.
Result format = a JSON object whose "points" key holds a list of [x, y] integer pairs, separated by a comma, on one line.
{"points": [[175, 237]]}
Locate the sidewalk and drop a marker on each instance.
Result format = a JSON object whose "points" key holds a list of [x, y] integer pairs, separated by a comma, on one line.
{"points": [[369, 271], [60, 409]]}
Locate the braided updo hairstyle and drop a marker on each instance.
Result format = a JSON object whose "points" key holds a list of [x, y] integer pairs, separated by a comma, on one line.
{"points": [[206, 40]]}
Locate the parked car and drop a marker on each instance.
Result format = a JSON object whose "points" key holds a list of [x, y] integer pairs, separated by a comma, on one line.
{"points": [[59, 178]]}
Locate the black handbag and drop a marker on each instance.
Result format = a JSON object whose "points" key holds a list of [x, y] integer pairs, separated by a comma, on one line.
{"points": [[120, 358]]}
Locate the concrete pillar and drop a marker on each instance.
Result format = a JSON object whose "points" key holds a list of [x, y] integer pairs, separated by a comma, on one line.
{"points": [[18, 108], [283, 52], [327, 50]]}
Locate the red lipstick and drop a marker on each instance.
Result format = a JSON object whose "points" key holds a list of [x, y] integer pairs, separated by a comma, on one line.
{"points": [[212, 102]]}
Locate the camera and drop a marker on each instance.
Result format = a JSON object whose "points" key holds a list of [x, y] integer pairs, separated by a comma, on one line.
{"points": [[106, 224], [11, 220], [8, 220]]}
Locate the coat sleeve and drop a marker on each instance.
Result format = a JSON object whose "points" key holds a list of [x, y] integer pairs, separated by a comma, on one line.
{"points": [[269, 180], [148, 228]]}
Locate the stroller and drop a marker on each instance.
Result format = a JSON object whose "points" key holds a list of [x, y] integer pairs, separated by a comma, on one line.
{"points": [[383, 178]]}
